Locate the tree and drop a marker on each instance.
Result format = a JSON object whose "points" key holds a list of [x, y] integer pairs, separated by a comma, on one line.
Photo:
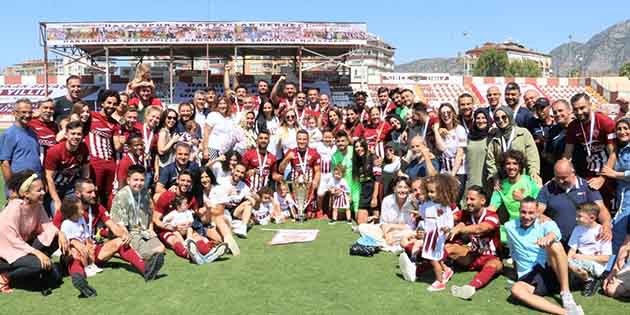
{"points": [[523, 68], [624, 71], [491, 63]]}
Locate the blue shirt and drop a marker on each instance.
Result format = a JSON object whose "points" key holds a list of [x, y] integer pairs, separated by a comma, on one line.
{"points": [[418, 168], [522, 243], [562, 204], [169, 173], [523, 117], [19, 146]]}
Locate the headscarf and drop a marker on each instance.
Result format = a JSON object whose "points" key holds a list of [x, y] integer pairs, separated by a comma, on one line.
{"points": [[475, 133], [510, 113]]}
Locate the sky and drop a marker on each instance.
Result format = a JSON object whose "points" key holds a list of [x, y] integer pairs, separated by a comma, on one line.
{"points": [[418, 29]]}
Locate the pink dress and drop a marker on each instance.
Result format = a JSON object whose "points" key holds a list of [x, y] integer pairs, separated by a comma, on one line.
{"points": [[20, 224]]}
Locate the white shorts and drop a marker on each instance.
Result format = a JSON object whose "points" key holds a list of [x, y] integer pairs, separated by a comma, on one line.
{"points": [[324, 179], [593, 268]]}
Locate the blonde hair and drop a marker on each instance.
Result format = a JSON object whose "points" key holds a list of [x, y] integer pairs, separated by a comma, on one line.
{"points": [[141, 71]]}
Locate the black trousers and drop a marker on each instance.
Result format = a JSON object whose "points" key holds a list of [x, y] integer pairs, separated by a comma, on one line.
{"points": [[27, 270]]}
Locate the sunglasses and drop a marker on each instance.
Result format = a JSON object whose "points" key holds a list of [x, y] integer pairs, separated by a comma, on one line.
{"points": [[502, 117], [290, 117], [171, 117]]}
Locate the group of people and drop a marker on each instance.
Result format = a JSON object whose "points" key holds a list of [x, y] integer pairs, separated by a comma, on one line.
{"points": [[455, 185]]}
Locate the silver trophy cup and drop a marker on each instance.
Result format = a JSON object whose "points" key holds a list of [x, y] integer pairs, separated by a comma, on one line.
{"points": [[300, 190]]}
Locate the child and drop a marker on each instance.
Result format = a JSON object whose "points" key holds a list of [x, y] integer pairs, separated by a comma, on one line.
{"points": [[288, 207], [190, 136], [182, 216], [142, 77], [437, 220], [268, 208], [340, 192], [82, 248], [588, 256], [314, 134], [326, 149]]}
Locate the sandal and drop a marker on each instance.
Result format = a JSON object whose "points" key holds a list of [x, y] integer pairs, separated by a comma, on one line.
{"points": [[4, 284]]}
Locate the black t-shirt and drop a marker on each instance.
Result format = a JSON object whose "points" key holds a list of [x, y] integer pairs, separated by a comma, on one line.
{"points": [[63, 107]]}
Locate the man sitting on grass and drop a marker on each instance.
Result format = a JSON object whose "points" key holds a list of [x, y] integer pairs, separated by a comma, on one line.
{"points": [[481, 226], [541, 262]]}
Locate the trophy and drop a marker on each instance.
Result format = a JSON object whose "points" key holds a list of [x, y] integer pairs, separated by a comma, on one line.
{"points": [[300, 190]]}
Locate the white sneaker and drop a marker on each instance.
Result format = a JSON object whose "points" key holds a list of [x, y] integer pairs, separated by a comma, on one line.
{"points": [[574, 309], [89, 271], [215, 253], [95, 267], [464, 292], [407, 267], [241, 231]]}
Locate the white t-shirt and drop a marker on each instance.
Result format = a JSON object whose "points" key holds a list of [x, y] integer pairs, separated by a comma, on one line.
{"points": [[235, 193], [392, 214], [175, 218], [287, 140], [456, 138], [434, 218], [217, 170], [584, 239], [222, 136], [75, 230]]}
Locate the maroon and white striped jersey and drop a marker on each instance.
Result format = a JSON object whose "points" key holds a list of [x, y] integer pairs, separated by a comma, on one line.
{"points": [[485, 244], [325, 157], [262, 166], [100, 138]]}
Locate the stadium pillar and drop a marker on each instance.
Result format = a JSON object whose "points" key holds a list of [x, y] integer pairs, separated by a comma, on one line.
{"points": [[299, 60], [207, 65], [106, 68], [170, 76], [45, 68]]}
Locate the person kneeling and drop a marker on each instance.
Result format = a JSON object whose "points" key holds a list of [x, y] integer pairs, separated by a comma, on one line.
{"points": [[541, 261]]}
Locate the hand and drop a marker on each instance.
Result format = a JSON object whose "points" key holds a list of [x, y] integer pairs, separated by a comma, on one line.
{"points": [[443, 132], [43, 259], [537, 179], [605, 234], [403, 137], [378, 162], [251, 172], [596, 182], [290, 155], [608, 172], [545, 241], [456, 229], [57, 204], [63, 242], [497, 184], [227, 67], [125, 239], [518, 194], [373, 203], [175, 138], [282, 78]]}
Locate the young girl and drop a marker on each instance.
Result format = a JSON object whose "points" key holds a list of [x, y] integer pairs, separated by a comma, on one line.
{"points": [[190, 137], [288, 207], [340, 192], [437, 219], [268, 208], [182, 216], [82, 248], [368, 174], [314, 134], [142, 77]]}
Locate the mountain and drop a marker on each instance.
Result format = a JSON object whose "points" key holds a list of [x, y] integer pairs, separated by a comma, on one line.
{"points": [[449, 65], [604, 53]]}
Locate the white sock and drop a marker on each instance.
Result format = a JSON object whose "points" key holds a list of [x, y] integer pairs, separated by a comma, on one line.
{"points": [[567, 298]]}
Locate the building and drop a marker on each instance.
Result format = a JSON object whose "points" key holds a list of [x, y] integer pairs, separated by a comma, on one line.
{"points": [[514, 51]]}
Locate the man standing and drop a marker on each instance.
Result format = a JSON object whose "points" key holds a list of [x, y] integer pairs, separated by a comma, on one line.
{"points": [[305, 169], [466, 106], [522, 116], [201, 107], [65, 163], [596, 133], [63, 104], [343, 156], [19, 148], [529, 98], [262, 89], [44, 127], [560, 197], [289, 91], [421, 123], [260, 163], [493, 96], [132, 210], [482, 227], [541, 261], [386, 106], [104, 139]]}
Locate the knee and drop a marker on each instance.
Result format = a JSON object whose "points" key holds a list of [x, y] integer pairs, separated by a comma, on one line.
{"points": [[519, 290], [496, 264], [556, 250]]}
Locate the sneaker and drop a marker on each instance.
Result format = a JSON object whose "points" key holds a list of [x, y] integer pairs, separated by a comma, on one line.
{"points": [[232, 246], [331, 222], [464, 292], [436, 286], [447, 274], [241, 231], [407, 267], [193, 253], [153, 266], [349, 222], [215, 253], [89, 271], [574, 309], [591, 286]]}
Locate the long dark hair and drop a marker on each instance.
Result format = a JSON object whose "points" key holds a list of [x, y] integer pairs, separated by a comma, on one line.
{"points": [[626, 121], [162, 123], [361, 162], [261, 120], [225, 165]]}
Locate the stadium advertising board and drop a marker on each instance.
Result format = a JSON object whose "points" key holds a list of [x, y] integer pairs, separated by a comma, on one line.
{"points": [[415, 78], [138, 33]]}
